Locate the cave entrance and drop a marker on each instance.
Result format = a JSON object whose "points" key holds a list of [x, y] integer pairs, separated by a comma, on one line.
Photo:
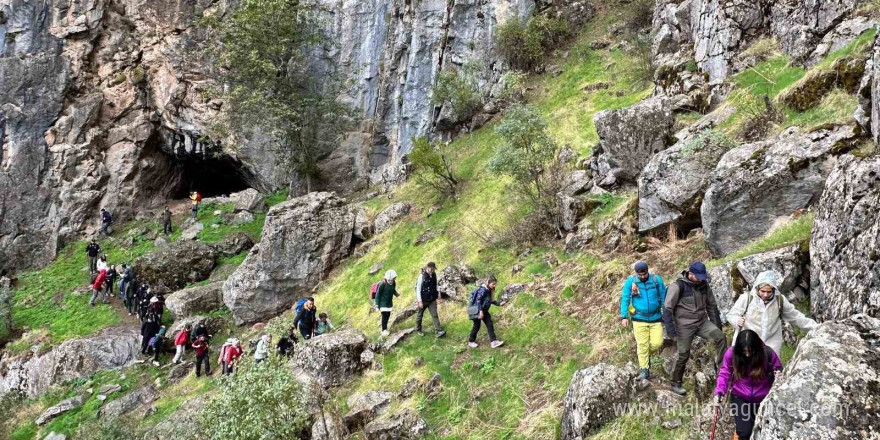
{"points": [[211, 175]]}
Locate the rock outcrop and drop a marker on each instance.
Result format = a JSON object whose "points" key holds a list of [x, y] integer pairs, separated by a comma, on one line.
{"points": [[628, 138], [789, 263], [363, 408], [757, 185], [303, 239], [174, 266], [76, 358], [248, 200], [452, 282], [405, 425], [591, 397], [130, 402], [845, 242], [829, 389], [233, 244], [390, 216], [333, 359], [195, 300], [60, 408]]}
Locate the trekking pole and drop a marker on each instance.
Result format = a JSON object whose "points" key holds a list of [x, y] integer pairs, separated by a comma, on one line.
{"points": [[715, 422]]}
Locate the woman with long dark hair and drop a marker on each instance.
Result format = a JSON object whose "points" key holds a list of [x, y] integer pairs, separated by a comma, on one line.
{"points": [[747, 373]]}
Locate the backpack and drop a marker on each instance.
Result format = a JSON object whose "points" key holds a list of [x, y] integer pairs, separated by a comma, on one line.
{"points": [[300, 304], [198, 196], [375, 288], [632, 308]]}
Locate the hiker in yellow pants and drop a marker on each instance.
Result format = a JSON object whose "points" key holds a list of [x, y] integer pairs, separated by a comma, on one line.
{"points": [[641, 301]]}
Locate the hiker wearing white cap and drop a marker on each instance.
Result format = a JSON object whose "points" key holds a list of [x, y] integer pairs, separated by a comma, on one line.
{"points": [[385, 294]]}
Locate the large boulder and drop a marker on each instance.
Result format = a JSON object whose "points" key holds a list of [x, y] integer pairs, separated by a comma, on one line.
{"points": [[390, 216], [628, 139], [303, 239], [195, 300], [830, 387], [248, 200], [73, 359], [672, 185], [726, 286], [788, 263], [172, 267], [333, 359], [234, 244], [845, 243], [845, 73], [328, 426], [405, 425], [363, 408], [363, 227], [591, 397], [757, 185], [130, 402], [452, 281]]}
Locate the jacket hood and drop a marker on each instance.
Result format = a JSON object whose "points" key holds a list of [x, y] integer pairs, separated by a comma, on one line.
{"points": [[768, 277]]}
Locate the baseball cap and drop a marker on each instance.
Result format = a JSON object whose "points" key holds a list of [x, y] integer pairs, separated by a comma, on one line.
{"points": [[699, 270]]}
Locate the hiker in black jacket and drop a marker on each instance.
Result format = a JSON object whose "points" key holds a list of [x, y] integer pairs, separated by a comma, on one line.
{"points": [[106, 219], [93, 250], [478, 311], [166, 221], [690, 311], [426, 298], [306, 319]]}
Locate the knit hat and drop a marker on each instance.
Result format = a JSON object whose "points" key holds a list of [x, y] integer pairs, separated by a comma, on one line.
{"points": [[390, 274]]}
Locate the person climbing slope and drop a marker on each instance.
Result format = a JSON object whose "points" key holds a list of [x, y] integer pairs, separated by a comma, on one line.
{"points": [[641, 301], [149, 328], [426, 298], [747, 372], [262, 352], [323, 325], [98, 286], [385, 293], [106, 219], [166, 221], [764, 309], [478, 311], [690, 311], [306, 319], [157, 343], [200, 346]]}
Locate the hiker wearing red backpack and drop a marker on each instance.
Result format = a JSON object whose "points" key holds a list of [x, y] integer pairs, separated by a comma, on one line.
{"points": [[385, 291], [195, 197], [747, 373], [306, 317]]}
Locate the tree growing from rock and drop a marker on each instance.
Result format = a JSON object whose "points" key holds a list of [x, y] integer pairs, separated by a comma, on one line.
{"points": [[267, 84], [457, 90], [433, 167], [258, 402], [530, 156]]}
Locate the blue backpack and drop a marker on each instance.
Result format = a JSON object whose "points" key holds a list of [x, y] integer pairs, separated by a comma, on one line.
{"points": [[300, 304]]}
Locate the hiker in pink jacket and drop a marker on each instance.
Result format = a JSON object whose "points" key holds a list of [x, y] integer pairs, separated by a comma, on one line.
{"points": [[747, 373]]}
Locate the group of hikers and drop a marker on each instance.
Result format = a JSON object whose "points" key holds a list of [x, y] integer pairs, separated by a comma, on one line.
{"points": [[687, 309]]}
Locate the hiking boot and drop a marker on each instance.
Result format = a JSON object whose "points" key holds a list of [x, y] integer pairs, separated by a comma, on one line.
{"points": [[473, 344], [644, 374], [678, 389], [496, 344], [385, 333], [156, 363], [440, 334], [421, 333]]}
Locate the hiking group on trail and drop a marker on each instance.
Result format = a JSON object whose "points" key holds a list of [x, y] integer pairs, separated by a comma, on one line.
{"points": [[687, 309]]}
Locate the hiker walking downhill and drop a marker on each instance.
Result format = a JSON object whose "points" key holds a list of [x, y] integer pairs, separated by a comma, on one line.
{"points": [[93, 249], [156, 344], [641, 301], [764, 309], [200, 346], [102, 263], [166, 221], [229, 353], [111, 278], [690, 311], [285, 344], [385, 293], [306, 317], [747, 373], [262, 352], [426, 297], [180, 341], [478, 311], [98, 287], [149, 328], [106, 219]]}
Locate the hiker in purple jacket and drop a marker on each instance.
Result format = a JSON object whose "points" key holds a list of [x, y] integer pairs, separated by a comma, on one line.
{"points": [[747, 373]]}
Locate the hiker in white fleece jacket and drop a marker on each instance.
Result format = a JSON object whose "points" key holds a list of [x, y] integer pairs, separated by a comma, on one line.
{"points": [[759, 311]]}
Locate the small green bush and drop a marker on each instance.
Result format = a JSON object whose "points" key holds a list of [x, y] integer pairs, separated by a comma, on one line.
{"points": [[457, 89], [118, 79], [523, 43], [138, 75], [433, 167]]}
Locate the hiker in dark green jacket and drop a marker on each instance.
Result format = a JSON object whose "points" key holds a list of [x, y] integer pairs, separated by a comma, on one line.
{"points": [[385, 298]]}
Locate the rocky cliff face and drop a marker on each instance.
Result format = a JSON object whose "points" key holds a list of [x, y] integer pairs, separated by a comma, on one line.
{"points": [[103, 104]]}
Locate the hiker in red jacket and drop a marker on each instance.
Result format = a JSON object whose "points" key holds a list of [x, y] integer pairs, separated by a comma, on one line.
{"points": [[230, 355], [98, 286], [201, 348], [180, 342]]}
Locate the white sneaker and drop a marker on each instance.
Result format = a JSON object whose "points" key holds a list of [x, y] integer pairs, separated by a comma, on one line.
{"points": [[496, 344], [385, 333], [473, 344], [156, 363]]}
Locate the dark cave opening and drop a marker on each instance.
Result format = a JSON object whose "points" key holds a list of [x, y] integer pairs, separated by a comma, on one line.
{"points": [[211, 175]]}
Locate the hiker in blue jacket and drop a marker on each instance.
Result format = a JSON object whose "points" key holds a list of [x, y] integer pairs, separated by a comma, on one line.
{"points": [[478, 311], [641, 301]]}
